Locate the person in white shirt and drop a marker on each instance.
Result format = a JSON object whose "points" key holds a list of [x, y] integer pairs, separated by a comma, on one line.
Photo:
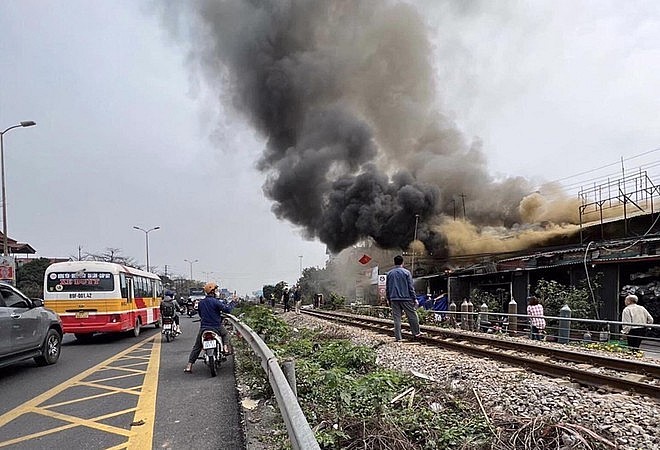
{"points": [[635, 319]]}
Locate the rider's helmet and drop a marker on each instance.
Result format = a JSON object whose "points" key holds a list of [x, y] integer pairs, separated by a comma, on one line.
{"points": [[210, 287], [169, 293]]}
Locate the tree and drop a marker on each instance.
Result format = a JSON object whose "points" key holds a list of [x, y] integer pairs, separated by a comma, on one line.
{"points": [[267, 290], [315, 281], [30, 277], [112, 255], [554, 296]]}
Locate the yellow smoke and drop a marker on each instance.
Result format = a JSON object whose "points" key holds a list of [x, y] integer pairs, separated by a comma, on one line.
{"points": [[464, 238]]}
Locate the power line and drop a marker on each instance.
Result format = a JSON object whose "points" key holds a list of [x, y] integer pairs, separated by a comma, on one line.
{"points": [[605, 166]]}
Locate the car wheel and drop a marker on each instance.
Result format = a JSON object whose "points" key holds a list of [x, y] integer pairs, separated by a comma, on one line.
{"points": [[52, 346]]}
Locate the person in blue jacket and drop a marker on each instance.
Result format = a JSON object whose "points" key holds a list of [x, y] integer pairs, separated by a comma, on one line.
{"points": [[400, 295], [210, 317]]}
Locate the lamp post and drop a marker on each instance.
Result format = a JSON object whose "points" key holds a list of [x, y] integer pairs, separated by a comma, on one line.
{"points": [[25, 123], [146, 238], [207, 275], [413, 249], [191, 263]]}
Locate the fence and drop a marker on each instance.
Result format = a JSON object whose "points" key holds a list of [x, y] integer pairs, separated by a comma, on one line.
{"points": [[564, 329]]}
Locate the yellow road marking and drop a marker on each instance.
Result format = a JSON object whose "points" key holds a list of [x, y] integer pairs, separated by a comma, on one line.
{"points": [[113, 389], [62, 428], [80, 421], [84, 399], [118, 377], [139, 437], [142, 438]]}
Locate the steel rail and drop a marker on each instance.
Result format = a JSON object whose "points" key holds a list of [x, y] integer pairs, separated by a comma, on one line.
{"points": [[300, 433], [580, 376], [651, 370]]}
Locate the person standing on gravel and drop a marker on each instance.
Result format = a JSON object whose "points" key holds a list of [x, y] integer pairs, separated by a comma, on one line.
{"points": [[536, 320], [636, 317], [400, 294]]}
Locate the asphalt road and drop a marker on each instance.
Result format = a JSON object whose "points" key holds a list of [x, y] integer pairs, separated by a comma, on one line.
{"points": [[195, 410], [120, 392]]}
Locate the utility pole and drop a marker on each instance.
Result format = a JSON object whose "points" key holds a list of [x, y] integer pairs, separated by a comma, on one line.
{"points": [[413, 246], [301, 257], [463, 200], [453, 201]]}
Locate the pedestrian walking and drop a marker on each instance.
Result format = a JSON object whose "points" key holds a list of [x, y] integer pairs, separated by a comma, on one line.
{"points": [[635, 317]]}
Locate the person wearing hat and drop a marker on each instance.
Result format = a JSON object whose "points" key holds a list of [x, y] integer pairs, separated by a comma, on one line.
{"points": [[210, 318]]}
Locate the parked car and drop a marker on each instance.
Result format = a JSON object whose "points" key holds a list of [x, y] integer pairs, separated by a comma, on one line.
{"points": [[27, 329]]}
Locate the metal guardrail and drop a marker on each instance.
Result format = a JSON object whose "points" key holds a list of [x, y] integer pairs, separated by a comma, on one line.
{"points": [[576, 328], [300, 433]]}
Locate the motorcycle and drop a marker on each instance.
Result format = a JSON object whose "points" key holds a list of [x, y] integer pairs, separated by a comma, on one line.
{"points": [[169, 328], [191, 307], [213, 350]]}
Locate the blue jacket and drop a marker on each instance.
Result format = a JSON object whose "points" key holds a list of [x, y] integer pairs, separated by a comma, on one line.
{"points": [[399, 285], [210, 312]]}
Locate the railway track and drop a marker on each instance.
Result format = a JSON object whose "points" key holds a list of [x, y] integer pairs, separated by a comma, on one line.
{"points": [[587, 369]]}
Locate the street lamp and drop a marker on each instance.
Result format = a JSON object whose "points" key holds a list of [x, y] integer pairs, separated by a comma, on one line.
{"points": [[191, 263], [413, 246], [25, 123], [207, 275], [146, 238]]}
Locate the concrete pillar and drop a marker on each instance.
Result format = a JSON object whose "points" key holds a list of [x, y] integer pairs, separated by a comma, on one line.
{"points": [[483, 316], [564, 325], [464, 316], [470, 316], [452, 313], [513, 320]]}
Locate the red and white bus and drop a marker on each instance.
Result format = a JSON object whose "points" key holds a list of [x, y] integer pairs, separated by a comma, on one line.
{"points": [[102, 297]]}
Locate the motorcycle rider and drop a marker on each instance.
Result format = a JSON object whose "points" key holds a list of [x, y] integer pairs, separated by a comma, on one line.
{"points": [[210, 315], [168, 308]]}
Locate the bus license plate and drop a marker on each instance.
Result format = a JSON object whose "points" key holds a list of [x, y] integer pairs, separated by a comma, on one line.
{"points": [[82, 315], [209, 344], [167, 326]]}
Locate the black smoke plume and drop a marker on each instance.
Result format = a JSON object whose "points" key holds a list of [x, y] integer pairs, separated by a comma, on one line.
{"points": [[344, 92]]}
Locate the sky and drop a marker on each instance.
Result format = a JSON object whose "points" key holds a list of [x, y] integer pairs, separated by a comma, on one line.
{"points": [[131, 132]]}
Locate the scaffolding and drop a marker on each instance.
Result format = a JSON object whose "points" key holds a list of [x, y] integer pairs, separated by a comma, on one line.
{"points": [[628, 196]]}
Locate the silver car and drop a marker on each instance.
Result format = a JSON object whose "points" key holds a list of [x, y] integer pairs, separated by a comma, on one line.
{"points": [[27, 329]]}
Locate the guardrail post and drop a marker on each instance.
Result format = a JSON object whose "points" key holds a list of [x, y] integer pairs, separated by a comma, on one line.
{"points": [[513, 319], [289, 369], [482, 318], [470, 315], [564, 325], [464, 316]]}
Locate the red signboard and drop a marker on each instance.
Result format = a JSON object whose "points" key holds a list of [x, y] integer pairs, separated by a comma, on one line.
{"points": [[6, 273]]}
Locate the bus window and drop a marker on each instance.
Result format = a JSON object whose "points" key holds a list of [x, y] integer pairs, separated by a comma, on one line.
{"points": [[129, 288], [80, 282], [123, 285]]}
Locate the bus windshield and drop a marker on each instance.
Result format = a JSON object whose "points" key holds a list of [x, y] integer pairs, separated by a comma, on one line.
{"points": [[80, 282]]}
